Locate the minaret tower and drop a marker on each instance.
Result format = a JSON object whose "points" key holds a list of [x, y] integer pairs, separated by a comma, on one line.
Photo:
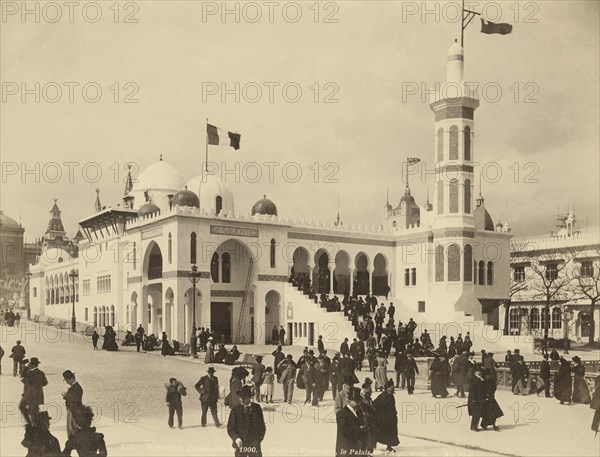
{"points": [[454, 105]]}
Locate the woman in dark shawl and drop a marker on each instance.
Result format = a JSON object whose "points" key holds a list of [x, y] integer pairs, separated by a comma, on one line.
{"points": [[438, 384], [562, 385], [581, 393], [491, 409], [387, 417]]}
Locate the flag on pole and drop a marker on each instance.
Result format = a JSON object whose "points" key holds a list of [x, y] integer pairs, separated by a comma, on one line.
{"points": [[220, 137], [491, 27]]}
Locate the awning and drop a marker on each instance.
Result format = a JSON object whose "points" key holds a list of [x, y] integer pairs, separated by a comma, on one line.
{"points": [[490, 304]]}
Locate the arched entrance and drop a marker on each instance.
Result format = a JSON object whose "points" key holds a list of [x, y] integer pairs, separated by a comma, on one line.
{"points": [[300, 269], [272, 312], [230, 297], [380, 275], [361, 274], [321, 273], [153, 262], [341, 274]]}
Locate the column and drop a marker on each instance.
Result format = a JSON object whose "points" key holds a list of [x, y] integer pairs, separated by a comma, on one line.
{"points": [[351, 280], [331, 272], [370, 281]]}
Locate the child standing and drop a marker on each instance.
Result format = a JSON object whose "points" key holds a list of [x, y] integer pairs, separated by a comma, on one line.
{"points": [[267, 385]]}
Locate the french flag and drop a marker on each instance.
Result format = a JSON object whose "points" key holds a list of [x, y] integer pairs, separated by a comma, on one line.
{"points": [[218, 136]]}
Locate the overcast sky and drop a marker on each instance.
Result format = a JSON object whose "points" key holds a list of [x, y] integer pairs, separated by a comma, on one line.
{"points": [[547, 150]]}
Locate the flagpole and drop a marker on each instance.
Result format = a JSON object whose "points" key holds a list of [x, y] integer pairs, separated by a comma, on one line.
{"points": [[462, 26], [206, 157]]}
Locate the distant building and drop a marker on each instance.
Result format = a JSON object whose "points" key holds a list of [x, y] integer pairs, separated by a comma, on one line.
{"points": [[554, 266]]}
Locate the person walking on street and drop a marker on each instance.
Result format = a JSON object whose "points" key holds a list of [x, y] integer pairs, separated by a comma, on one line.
{"points": [[34, 382], [17, 354], [175, 390], [278, 357], [282, 335], [410, 372], [86, 441], [96, 337], [545, 377], [385, 409], [476, 398], [350, 428], [257, 371], [246, 426], [288, 376], [73, 401], [459, 374], [208, 388]]}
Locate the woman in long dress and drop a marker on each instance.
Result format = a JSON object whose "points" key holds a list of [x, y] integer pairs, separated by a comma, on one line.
{"points": [[381, 377], [563, 388], [210, 351], [581, 393], [490, 409], [387, 417], [438, 383]]}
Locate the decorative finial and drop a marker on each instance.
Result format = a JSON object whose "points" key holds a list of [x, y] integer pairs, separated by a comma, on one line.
{"points": [[97, 191], [55, 200], [160, 158], [265, 197]]}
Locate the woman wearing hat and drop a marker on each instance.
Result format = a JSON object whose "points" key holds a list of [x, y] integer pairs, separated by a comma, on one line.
{"points": [[438, 384], [210, 351], [563, 388], [369, 415], [581, 393], [381, 377], [387, 417]]}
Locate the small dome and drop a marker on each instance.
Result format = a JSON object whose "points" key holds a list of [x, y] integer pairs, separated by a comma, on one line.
{"points": [[186, 198], [148, 208], [8, 223], [264, 206], [215, 195], [455, 49]]}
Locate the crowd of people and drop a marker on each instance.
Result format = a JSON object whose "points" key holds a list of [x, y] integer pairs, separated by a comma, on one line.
{"points": [[10, 318]]}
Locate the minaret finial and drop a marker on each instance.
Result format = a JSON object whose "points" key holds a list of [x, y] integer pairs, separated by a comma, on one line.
{"points": [[98, 205]]}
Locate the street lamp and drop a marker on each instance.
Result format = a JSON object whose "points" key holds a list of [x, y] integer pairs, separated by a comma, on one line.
{"points": [[567, 316], [73, 275], [194, 277]]}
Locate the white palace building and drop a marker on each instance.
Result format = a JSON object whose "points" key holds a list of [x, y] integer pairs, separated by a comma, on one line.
{"points": [[446, 264]]}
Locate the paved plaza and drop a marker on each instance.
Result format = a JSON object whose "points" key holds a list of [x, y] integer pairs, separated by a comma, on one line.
{"points": [[126, 391]]}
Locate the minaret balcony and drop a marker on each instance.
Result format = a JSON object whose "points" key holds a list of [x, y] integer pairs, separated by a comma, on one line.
{"points": [[455, 93]]}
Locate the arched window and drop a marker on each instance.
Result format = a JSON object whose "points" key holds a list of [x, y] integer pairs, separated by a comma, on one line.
{"points": [[226, 265], [454, 142], [52, 297], [468, 263], [214, 267], [440, 199], [440, 144], [514, 319], [95, 316], [149, 313], [273, 253], [453, 262], [490, 273], [112, 315], [556, 317], [481, 273], [134, 256], [439, 263], [170, 249], [467, 196], [218, 204], [467, 139], [193, 248], [474, 271], [534, 319], [545, 318], [454, 195]]}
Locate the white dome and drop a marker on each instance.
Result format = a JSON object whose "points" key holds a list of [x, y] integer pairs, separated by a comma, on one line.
{"points": [[160, 180], [208, 187], [455, 49], [158, 176]]}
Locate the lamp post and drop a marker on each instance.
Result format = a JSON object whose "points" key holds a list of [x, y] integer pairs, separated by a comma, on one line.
{"points": [[567, 316], [194, 277], [73, 275]]}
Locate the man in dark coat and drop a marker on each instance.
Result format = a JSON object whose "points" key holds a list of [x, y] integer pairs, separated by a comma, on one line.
{"points": [[320, 344], [344, 348], [563, 387], [350, 428], [287, 368], [73, 401], [275, 336], [399, 366], [257, 371], [410, 369], [278, 356], [385, 409], [459, 373], [335, 375], [545, 376], [281, 335], [208, 388], [391, 311], [246, 426], [175, 390], [476, 398], [312, 382], [17, 354], [34, 381], [438, 385]]}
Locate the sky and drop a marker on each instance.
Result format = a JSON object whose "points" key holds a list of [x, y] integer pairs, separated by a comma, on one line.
{"points": [[362, 68]]}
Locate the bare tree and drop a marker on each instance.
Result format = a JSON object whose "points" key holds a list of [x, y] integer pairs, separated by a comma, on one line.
{"points": [[551, 276], [586, 285], [517, 285]]}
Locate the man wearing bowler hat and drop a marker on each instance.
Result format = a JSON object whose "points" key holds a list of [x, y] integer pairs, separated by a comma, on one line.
{"points": [[34, 381], [350, 428], [73, 401], [17, 354], [208, 388], [246, 426]]}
